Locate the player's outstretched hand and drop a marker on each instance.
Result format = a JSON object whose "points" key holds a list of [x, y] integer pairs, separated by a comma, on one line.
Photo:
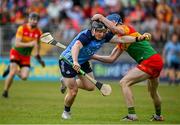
{"points": [[140, 38], [97, 17], [147, 36]]}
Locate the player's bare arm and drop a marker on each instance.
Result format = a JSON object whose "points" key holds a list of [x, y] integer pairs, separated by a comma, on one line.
{"points": [[123, 39], [19, 43], [37, 54], [108, 59], [109, 24], [75, 52], [37, 49], [130, 39]]}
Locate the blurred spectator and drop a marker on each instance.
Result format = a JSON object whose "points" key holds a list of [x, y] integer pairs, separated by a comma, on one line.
{"points": [[160, 34], [66, 4], [96, 8], [164, 12], [174, 4], [67, 28], [171, 54], [36, 6], [19, 18], [137, 15], [53, 9], [87, 10], [115, 7], [146, 27], [44, 21], [159, 17], [149, 7], [175, 26], [76, 14], [4, 15]]}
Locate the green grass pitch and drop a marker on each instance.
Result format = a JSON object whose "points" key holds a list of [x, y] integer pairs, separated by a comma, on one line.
{"points": [[32, 102]]}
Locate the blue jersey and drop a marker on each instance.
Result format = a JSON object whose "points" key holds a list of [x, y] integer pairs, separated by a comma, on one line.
{"points": [[90, 46], [172, 52]]}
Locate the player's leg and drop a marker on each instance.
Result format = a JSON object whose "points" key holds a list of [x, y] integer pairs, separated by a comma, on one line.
{"points": [[72, 90], [14, 65], [171, 76], [177, 70], [84, 83], [177, 81], [24, 72], [8, 82], [62, 85], [152, 87], [68, 74], [6, 71], [132, 77], [24, 67], [171, 72]]}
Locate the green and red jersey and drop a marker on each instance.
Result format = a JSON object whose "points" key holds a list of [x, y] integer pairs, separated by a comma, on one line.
{"points": [[139, 51], [27, 34]]}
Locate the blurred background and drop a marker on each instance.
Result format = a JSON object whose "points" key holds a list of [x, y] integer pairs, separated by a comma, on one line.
{"points": [[66, 18]]}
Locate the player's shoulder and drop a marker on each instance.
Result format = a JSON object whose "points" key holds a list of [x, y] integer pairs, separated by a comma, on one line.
{"points": [[39, 30], [120, 46], [123, 46], [130, 28], [86, 34], [25, 25], [21, 27], [169, 43]]}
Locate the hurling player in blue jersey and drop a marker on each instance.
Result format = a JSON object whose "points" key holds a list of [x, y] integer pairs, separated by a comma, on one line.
{"points": [[79, 52]]}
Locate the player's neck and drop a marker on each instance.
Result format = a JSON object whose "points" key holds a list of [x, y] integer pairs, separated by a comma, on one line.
{"points": [[31, 27]]}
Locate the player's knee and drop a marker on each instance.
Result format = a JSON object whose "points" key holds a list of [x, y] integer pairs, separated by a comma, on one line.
{"points": [[24, 77], [123, 83], [12, 73], [73, 92]]}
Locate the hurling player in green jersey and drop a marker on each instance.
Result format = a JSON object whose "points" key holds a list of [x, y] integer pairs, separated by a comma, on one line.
{"points": [[149, 65]]}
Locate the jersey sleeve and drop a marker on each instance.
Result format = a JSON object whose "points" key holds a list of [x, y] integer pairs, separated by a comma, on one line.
{"points": [[109, 36], [120, 46], [129, 30], [83, 38], [40, 33], [19, 32]]}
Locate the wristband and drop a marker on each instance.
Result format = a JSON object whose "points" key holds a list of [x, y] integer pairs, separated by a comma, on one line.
{"points": [[137, 39]]}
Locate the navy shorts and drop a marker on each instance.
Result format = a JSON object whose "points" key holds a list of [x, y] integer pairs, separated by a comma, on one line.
{"points": [[68, 72], [174, 65]]}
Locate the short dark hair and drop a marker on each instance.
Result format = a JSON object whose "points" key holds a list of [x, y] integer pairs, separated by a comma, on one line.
{"points": [[34, 15], [98, 25]]}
